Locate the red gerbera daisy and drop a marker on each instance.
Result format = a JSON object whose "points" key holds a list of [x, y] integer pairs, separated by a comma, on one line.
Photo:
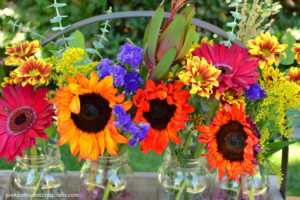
{"points": [[166, 108], [24, 115], [238, 71]]}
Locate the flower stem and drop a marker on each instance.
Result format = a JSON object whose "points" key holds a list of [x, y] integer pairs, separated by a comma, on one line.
{"points": [[199, 150], [107, 191], [182, 187]]}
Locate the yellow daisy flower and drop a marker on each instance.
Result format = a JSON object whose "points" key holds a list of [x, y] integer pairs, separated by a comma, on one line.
{"points": [[200, 75], [20, 52], [294, 75], [265, 49], [231, 97], [296, 50]]}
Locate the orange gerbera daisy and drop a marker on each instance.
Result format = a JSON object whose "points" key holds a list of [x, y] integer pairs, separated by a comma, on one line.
{"points": [[166, 108], [33, 71], [294, 75], [85, 116], [296, 50], [265, 49], [18, 53], [230, 142], [200, 75]]}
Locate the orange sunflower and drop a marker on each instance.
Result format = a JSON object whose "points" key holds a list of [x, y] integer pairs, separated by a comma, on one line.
{"points": [[85, 116], [230, 142], [166, 108], [265, 49], [296, 50], [18, 53], [33, 71]]}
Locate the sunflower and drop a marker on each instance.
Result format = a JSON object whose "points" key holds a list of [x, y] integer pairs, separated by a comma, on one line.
{"points": [[24, 114], [85, 116], [294, 75], [200, 75], [230, 96], [165, 107], [18, 53], [33, 71], [265, 49], [237, 70], [296, 50], [230, 142]]}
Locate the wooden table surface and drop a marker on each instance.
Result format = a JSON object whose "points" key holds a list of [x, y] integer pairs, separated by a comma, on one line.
{"points": [[143, 185]]}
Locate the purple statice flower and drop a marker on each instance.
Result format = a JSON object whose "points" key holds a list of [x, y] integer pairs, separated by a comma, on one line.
{"points": [[130, 54], [139, 132], [255, 92], [257, 134], [116, 71], [132, 82], [104, 63]]}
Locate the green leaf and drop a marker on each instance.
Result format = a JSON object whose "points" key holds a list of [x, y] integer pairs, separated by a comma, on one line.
{"points": [[191, 37], [153, 34], [92, 51], [171, 36], [63, 41], [98, 45], [164, 64], [78, 42], [287, 38], [276, 146], [57, 5], [231, 24], [236, 15], [231, 35], [2, 73], [232, 5], [55, 19], [57, 28], [51, 131], [144, 73]]}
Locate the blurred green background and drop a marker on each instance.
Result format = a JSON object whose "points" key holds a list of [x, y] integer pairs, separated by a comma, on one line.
{"points": [[37, 13]]}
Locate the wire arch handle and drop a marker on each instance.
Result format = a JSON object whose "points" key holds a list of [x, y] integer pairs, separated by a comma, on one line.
{"points": [[136, 14]]}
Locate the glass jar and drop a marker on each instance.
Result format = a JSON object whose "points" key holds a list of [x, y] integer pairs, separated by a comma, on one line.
{"points": [[248, 187], [187, 179], [106, 178], [39, 177]]}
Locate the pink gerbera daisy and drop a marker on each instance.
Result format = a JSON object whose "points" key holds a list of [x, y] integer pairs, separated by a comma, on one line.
{"points": [[238, 70], [24, 115]]}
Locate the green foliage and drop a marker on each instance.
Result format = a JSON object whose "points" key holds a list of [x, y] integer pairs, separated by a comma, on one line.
{"points": [[78, 42], [290, 40]]}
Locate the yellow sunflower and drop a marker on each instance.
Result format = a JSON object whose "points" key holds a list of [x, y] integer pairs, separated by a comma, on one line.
{"points": [[265, 49], [296, 50], [33, 71], [200, 75], [85, 116], [19, 52]]}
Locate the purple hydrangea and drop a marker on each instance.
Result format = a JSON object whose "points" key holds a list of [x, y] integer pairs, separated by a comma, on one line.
{"points": [[132, 82], [255, 92], [139, 131], [130, 54], [117, 71], [104, 63]]}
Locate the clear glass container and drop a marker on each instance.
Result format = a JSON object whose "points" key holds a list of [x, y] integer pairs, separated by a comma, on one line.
{"points": [[39, 177], [248, 187], [187, 179], [106, 178]]}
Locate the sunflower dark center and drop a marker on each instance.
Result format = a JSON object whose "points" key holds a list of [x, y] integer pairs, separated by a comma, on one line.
{"points": [[231, 140], [225, 69], [160, 113], [94, 113], [21, 119]]}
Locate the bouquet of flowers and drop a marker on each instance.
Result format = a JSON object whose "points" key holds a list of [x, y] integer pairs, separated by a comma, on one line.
{"points": [[194, 97]]}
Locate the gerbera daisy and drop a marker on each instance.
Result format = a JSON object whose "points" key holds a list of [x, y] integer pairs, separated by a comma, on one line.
{"points": [[238, 71], [18, 53], [85, 116], [294, 75], [24, 114], [165, 107], [230, 96], [33, 71], [200, 75], [296, 50], [265, 49], [270, 75], [230, 142]]}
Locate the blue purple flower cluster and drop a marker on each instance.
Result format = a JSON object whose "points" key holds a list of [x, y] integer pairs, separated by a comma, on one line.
{"points": [[139, 131], [130, 79], [255, 92]]}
